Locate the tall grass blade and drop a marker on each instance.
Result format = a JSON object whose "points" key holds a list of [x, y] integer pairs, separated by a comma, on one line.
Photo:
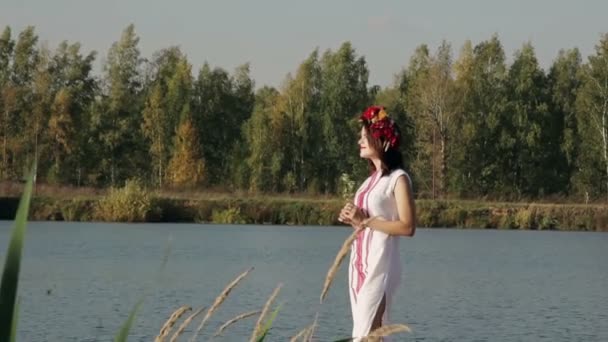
{"points": [[258, 326], [268, 324], [123, 333], [12, 265], [15, 320]]}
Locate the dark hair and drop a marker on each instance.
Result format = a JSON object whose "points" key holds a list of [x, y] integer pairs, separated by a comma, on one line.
{"points": [[390, 160]]}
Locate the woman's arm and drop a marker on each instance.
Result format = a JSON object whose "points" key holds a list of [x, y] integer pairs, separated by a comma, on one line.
{"points": [[406, 225]]}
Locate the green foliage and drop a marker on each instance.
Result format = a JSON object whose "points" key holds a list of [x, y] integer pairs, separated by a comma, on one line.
{"points": [[256, 131], [434, 105], [526, 218], [131, 203], [221, 105], [534, 140], [592, 124], [290, 182], [507, 221], [547, 221], [564, 84], [228, 216], [482, 84], [302, 211], [344, 95], [471, 127], [346, 187], [455, 217], [76, 210], [117, 124], [155, 128]]}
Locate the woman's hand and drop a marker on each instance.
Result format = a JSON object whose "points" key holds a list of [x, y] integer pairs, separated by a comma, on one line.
{"points": [[351, 214]]}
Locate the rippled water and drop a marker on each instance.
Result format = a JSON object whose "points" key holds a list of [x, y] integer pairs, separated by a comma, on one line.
{"points": [[79, 281]]}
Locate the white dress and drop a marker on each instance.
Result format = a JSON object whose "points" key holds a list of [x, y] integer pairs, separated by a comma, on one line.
{"points": [[375, 267]]}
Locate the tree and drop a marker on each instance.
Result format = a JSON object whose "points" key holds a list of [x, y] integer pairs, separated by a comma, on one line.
{"points": [[169, 88], [6, 53], [212, 118], [222, 104], [463, 89], [592, 107], [23, 68], [409, 82], [187, 166], [42, 100], [117, 127], [71, 71], [564, 84], [7, 97], [343, 96], [243, 99], [264, 134], [62, 134], [155, 129], [25, 57], [178, 92], [481, 85], [535, 135], [433, 96], [299, 102]]}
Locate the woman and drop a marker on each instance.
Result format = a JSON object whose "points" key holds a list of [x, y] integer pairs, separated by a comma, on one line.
{"points": [[384, 207]]}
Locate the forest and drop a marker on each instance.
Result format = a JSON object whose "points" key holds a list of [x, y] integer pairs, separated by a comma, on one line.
{"points": [[473, 126]]}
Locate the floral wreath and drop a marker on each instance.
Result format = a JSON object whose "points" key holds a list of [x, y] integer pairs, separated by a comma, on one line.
{"points": [[381, 126]]}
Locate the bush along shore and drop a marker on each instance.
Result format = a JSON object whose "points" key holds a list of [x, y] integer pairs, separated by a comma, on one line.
{"points": [[134, 204]]}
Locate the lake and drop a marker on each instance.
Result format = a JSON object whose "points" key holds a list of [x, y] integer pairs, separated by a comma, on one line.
{"points": [[80, 280]]}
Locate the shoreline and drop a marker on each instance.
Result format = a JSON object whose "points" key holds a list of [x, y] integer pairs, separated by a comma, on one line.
{"points": [[456, 214]]}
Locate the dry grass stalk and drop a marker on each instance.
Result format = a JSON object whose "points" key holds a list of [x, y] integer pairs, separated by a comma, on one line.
{"points": [[386, 330], [299, 335], [164, 331], [186, 322], [339, 257], [218, 301], [311, 330], [258, 325], [234, 320]]}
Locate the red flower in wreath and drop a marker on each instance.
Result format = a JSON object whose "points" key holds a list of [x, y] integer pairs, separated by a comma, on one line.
{"points": [[381, 126]]}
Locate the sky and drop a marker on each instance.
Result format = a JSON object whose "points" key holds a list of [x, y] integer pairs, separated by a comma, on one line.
{"points": [[275, 36]]}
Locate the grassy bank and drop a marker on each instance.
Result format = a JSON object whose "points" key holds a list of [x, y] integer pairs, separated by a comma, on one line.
{"points": [[302, 211]]}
